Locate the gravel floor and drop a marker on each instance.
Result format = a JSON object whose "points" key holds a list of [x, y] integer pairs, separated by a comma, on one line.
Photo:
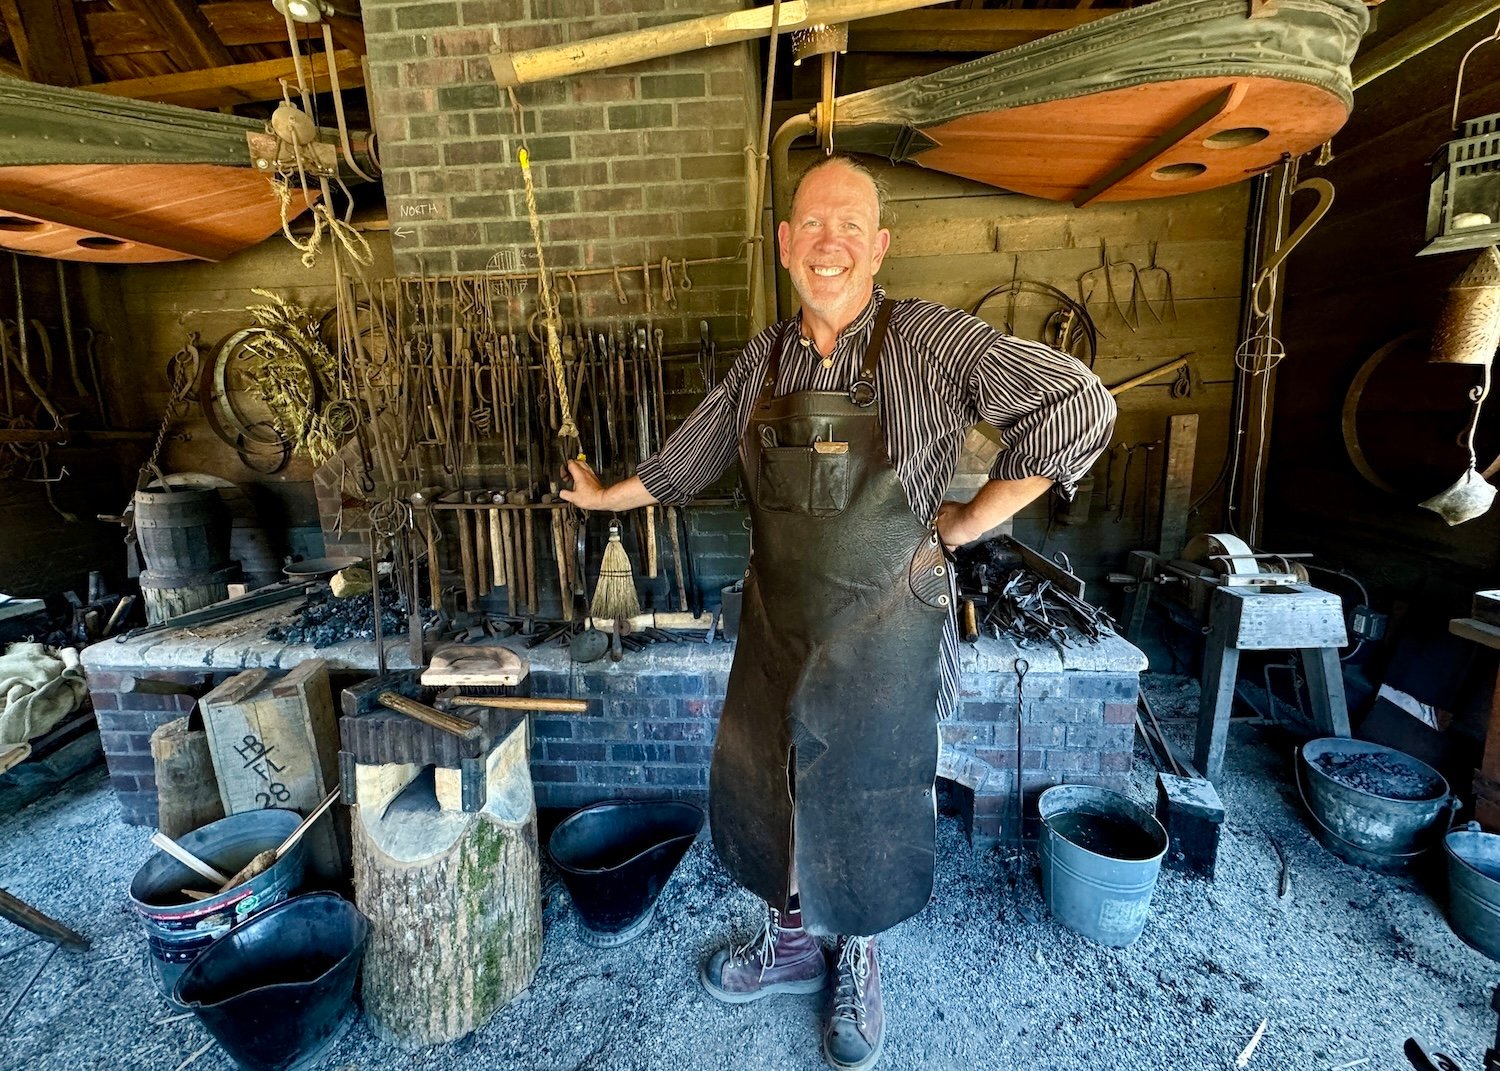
{"points": [[1342, 969]]}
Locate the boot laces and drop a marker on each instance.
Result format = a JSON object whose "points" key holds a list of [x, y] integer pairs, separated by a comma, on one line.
{"points": [[853, 971], [761, 947]]}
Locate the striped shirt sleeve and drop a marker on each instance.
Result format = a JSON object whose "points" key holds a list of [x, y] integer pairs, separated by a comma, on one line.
{"points": [[708, 440], [1054, 414]]}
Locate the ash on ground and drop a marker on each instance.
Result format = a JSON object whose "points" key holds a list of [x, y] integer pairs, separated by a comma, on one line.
{"points": [[1342, 969], [325, 620], [1379, 774]]}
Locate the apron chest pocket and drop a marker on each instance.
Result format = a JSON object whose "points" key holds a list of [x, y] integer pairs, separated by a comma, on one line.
{"points": [[799, 479]]}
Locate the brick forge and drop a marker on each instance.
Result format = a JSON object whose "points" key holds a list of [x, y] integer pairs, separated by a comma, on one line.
{"points": [[650, 726], [649, 729]]}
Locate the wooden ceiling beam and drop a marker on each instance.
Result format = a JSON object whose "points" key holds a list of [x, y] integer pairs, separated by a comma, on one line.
{"points": [[242, 83], [189, 35], [236, 23], [964, 30], [48, 41]]}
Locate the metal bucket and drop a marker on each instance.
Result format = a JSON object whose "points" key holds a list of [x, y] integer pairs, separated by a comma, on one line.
{"points": [[179, 928], [1363, 827], [1101, 853], [1474, 887], [277, 991], [616, 857]]}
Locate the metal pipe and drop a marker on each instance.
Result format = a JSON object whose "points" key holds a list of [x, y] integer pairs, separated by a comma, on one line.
{"points": [[781, 195]]}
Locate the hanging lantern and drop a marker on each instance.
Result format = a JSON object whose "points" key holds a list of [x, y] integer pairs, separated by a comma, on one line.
{"points": [[1468, 328], [1463, 201]]}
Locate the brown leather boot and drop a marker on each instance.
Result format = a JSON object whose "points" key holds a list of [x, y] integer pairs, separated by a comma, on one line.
{"points": [[781, 958], [856, 1030]]}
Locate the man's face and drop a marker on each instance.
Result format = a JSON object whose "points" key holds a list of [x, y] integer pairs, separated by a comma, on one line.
{"points": [[834, 244]]}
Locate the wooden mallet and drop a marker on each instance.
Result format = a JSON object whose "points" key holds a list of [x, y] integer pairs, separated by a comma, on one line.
{"points": [[265, 860]]}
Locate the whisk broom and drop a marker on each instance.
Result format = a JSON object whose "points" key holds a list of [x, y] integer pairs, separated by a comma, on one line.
{"points": [[614, 594]]}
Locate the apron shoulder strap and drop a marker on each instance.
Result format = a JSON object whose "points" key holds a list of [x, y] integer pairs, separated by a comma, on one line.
{"points": [[773, 362], [862, 390], [877, 342]]}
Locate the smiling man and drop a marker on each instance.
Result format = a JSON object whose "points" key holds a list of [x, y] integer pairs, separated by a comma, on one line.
{"points": [[847, 420]]}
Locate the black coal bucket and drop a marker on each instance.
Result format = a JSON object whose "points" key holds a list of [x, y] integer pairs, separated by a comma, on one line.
{"points": [[278, 990], [616, 857]]}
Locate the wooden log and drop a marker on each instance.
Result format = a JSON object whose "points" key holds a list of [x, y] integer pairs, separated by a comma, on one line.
{"points": [[187, 792], [614, 50], [453, 899]]}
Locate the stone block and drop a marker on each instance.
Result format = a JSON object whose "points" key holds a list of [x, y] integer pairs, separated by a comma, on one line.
{"points": [[1190, 810]]}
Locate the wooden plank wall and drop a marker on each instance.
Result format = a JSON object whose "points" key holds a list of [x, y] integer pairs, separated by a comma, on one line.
{"points": [[160, 304], [953, 240], [1352, 286]]}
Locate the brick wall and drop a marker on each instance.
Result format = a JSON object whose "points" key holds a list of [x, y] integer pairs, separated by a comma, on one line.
{"points": [[649, 733], [630, 165], [127, 717]]}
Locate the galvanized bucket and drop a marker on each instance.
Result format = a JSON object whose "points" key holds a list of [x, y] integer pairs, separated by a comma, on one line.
{"points": [[1361, 827], [1101, 853], [1474, 887], [177, 927]]}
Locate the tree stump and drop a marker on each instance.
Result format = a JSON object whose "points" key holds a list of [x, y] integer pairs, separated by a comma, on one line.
{"points": [[453, 898], [187, 792]]}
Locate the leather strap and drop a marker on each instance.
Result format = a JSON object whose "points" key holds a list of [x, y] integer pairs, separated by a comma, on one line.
{"points": [[872, 351]]}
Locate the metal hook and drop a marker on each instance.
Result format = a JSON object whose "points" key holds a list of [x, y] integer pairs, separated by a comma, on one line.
{"points": [[619, 286]]}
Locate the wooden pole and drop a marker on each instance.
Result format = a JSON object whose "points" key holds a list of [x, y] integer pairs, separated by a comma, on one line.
{"points": [[615, 50], [1419, 37]]}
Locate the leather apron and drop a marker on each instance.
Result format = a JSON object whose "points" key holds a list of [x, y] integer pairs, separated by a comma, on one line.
{"points": [[827, 749]]}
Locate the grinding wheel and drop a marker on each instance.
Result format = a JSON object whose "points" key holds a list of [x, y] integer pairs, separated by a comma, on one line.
{"points": [[1202, 548]]}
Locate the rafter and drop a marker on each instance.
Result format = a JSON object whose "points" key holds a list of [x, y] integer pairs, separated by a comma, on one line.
{"points": [[241, 83], [48, 41], [190, 37]]}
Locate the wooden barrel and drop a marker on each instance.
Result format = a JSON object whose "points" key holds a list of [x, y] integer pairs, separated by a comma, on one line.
{"points": [[168, 594], [182, 533]]}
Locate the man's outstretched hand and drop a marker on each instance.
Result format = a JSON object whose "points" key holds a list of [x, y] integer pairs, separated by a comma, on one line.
{"points": [[588, 493]]}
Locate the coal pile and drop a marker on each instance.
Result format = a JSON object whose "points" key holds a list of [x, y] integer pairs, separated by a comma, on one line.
{"points": [[1380, 774], [325, 621]]}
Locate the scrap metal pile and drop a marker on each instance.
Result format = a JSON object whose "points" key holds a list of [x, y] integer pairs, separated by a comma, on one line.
{"points": [[1034, 610], [1021, 602]]}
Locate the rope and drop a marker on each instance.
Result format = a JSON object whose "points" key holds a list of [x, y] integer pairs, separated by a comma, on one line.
{"points": [[323, 219], [568, 429]]}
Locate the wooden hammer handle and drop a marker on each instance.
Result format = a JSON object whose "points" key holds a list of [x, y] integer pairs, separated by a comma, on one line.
{"points": [[522, 702], [437, 719]]}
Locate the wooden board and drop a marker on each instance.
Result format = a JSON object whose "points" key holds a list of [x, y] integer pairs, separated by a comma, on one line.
{"points": [[136, 213], [1019, 148]]}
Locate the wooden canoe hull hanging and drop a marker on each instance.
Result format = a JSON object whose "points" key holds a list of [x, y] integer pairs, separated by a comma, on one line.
{"points": [[1174, 97], [90, 177], [138, 213]]}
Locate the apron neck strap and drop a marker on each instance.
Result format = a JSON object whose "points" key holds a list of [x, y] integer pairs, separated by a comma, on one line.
{"points": [[867, 366]]}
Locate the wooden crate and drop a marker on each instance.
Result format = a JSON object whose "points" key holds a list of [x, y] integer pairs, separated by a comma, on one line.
{"points": [[274, 743]]}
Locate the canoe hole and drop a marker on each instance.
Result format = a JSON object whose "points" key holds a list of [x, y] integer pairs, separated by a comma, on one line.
{"points": [[1237, 137], [1175, 172], [19, 223], [99, 241]]}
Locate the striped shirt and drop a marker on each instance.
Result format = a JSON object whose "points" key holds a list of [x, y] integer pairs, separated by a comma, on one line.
{"points": [[942, 372]]}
